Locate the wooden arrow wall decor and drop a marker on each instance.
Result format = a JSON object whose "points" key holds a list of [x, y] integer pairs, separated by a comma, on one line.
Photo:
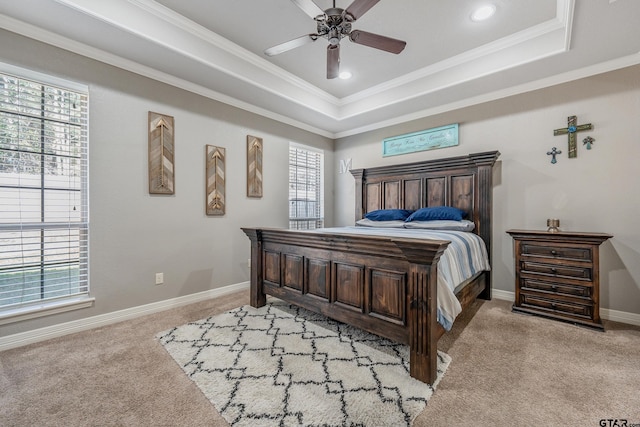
{"points": [[254, 166], [161, 154], [215, 184]]}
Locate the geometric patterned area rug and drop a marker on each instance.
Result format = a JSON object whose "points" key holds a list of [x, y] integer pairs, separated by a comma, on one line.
{"points": [[280, 365]]}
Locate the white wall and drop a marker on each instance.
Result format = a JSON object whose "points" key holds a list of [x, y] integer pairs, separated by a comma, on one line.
{"points": [[598, 191], [134, 234]]}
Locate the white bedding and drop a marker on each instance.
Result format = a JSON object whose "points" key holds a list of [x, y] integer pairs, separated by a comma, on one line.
{"points": [[465, 256]]}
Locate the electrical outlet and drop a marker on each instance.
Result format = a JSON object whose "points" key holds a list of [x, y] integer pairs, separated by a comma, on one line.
{"points": [[159, 278]]}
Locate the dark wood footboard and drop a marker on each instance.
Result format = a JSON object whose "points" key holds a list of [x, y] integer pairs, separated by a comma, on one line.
{"points": [[383, 285]]}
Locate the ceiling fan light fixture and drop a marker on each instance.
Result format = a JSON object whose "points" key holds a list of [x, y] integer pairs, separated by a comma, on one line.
{"points": [[334, 24], [484, 12]]}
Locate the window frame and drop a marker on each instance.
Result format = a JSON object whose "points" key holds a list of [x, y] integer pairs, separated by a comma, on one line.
{"points": [[78, 230], [316, 220]]}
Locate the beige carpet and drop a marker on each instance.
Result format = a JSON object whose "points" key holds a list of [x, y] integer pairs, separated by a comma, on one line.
{"points": [[507, 370]]}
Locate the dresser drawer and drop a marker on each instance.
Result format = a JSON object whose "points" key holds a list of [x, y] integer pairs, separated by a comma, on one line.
{"points": [[555, 306], [576, 253], [557, 288], [556, 270]]}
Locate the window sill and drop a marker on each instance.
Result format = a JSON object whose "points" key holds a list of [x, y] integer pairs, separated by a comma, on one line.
{"points": [[45, 309]]}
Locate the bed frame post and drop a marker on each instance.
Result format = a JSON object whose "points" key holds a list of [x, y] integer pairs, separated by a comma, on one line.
{"points": [[257, 297], [484, 163], [422, 313], [357, 175], [422, 317]]}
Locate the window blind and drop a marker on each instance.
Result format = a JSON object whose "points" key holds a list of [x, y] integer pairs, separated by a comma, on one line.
{"points": [[44, 228], [306, 210]]}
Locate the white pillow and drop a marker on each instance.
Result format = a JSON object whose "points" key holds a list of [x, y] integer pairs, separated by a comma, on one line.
{"points": [[464, 225], [380, 224]]}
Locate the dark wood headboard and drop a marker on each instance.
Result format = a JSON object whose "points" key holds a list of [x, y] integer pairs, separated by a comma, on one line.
{"points": [[464, 182]]}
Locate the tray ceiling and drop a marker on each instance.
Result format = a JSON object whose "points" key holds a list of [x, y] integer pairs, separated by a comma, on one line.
{"points": [[215, 48]]}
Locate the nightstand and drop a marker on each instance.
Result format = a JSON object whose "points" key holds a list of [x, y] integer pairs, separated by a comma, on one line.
{"points": [[558, 275]]}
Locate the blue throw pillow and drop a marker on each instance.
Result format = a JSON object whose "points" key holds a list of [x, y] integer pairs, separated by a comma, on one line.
{"points": [[437, 213], [388, 215]]}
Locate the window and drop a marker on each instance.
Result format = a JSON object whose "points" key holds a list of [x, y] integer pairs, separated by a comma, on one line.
{"points": [[306, 207], [43, 193]]}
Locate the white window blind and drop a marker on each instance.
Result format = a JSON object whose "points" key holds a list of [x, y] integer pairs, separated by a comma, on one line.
{"points": [[306, 210], [43, 192]]}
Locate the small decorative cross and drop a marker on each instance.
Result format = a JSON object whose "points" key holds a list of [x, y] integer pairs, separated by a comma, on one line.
{"points": [[571, 130], [554, 151], [588, 141]]}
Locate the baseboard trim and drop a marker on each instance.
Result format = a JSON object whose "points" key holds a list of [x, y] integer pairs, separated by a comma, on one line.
{"points": [[54, 331], [605, 313], [503, 295], [620, 316]]}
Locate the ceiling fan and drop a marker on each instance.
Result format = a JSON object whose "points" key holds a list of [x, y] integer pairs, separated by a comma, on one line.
{"points": [[333, 24]]}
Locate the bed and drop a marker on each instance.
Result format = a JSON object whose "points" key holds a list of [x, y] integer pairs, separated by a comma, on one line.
{"points": [[386, 285]]}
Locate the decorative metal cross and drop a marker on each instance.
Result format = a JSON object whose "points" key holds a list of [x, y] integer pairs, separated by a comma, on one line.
{"points": [[588, 141], [571, 130], [554, 151]]}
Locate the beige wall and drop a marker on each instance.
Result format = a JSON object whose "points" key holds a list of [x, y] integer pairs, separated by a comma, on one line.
{"points": [[598, 191], [133, 234]]}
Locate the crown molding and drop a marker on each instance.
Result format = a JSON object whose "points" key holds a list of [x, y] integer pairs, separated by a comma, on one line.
{"points": [[286, 98], [199, 31], [56, 40], [567, 77]]}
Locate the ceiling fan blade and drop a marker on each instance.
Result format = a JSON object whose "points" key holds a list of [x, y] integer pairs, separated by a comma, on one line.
{"points": [[291, 44], [377, 41], [309, 7], [333, 61], [358, 8]]}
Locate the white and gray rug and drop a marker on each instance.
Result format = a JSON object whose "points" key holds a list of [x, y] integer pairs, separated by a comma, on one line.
{"points": [[280, 365]]}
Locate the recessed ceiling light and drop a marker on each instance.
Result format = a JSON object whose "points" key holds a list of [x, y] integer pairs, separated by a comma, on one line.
{"points": [[345, 75], [484, 12]]}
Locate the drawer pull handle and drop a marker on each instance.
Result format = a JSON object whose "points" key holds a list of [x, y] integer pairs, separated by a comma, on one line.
{"points": [[553, 270], [554, 253], [554, 288]]}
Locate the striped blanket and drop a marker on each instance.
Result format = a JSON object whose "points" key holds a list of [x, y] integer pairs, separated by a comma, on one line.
{"points": [[465, 256]]}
